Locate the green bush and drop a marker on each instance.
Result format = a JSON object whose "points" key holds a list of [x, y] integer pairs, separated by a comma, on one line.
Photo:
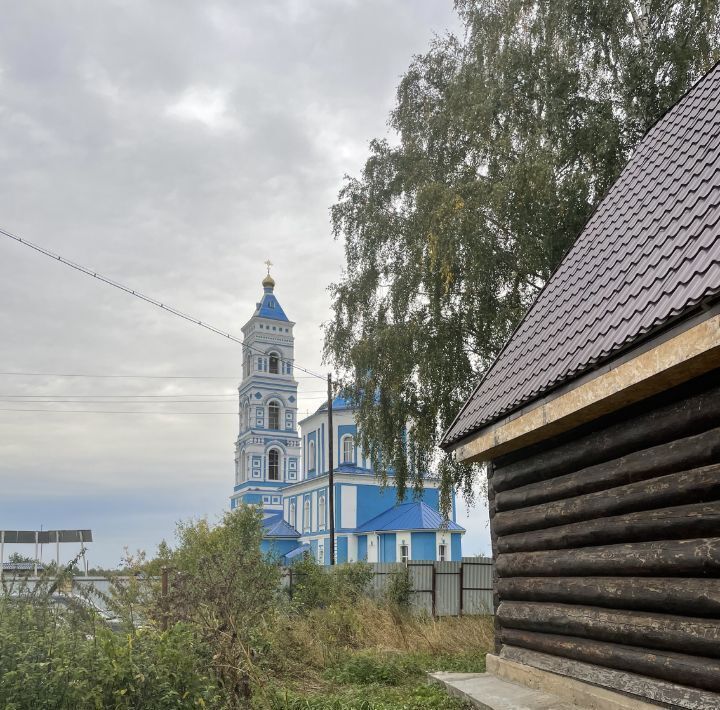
{"points": [[398, 591], [66, 659], [317, 587]]}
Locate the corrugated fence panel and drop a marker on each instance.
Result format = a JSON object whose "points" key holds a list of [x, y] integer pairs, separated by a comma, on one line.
{"points": [[477, 584], [438, 588], [447, 588], [421, 578]]}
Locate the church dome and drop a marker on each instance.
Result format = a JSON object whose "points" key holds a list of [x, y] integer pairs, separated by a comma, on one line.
{"points": [[268, 282]]}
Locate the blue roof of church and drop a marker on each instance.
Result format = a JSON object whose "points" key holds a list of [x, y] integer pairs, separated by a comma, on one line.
{"points": [[408, 516], [297, 552], [275, 526], [269, 307], [338, 403]]}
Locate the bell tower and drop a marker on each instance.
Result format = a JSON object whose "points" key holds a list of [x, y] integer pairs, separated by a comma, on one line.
{"points": [[267, 449]]}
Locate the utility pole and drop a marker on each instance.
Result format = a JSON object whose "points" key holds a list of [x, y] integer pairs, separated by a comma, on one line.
{"points": [[331, 477]]}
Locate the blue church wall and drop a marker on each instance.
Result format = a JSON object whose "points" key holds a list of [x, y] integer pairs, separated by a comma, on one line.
{"points": [[456, 547], [314, 548], [342, 550], [373, 500], [422, 546], [362, 547], [276, 548], [388, 544]]}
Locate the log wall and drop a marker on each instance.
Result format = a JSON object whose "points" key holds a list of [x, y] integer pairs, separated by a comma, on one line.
{"points": [[607, 543]]}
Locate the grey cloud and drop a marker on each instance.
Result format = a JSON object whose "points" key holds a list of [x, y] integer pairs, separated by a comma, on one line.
{"points": [[96, 165]]}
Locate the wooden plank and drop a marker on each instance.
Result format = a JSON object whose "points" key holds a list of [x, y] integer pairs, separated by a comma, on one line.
{"points": [[679, 455], [681, 522], [698, 485], [672, 558], [696, 597], [681, 634], [687, 417], [652, 689], [693, 671]]}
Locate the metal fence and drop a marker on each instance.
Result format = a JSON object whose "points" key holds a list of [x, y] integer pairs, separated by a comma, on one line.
{"points": [[438, 588]]}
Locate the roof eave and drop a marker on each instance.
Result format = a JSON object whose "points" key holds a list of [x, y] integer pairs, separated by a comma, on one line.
{"points": [[688, 350]]}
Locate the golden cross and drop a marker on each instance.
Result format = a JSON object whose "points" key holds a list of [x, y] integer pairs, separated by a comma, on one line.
{"points": [[268, 263]]}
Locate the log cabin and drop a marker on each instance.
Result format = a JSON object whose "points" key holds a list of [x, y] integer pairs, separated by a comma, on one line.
{"points": [[599, 425]]}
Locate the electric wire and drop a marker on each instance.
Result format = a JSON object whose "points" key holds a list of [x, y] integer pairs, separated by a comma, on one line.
{"points": [[144, 377], [143, 297]]}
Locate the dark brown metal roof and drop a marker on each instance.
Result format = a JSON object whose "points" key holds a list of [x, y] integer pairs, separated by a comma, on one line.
{"points": [[650, 253]]}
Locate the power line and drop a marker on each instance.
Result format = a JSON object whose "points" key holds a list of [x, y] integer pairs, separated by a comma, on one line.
{"points": [[169, 397], [100, 411], [143, 377], [143, 297], [109, 401]]}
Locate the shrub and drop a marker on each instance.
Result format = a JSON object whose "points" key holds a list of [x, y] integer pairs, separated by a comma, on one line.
{"points": [[225, 587], [63, 658], [398, 591]]}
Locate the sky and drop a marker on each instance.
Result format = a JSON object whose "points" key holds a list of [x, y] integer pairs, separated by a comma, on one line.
{"points": [[173, 146]]}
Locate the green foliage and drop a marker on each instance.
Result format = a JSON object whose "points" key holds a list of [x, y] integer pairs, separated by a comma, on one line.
{"points": [[507, 139], [458, 662], [417, 695], [369, 668], [223, 586], [399, 590], [317, 587], [64, 659]]}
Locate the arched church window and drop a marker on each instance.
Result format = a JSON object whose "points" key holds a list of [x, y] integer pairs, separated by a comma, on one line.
{"points": [[293, 518], [306, 516], [348, 449], [274, 363], [321, 513], [273, 465], [311, 456], [274, 415]]}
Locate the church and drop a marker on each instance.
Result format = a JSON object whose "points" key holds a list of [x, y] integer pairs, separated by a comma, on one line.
{"points": [[286, 472]]}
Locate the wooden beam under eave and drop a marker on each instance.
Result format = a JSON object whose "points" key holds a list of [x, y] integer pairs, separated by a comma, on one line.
{"points": [[678, 359]]}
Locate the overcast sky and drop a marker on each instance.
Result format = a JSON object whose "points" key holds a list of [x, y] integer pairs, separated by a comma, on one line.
{"points": [[173, 146]]}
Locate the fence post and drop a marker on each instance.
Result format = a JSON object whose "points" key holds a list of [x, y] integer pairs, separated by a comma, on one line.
{"points": [[462, 586], [434, 589]]}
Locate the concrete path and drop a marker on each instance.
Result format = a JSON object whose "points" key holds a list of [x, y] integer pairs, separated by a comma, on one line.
{"points": [[492, 693]]}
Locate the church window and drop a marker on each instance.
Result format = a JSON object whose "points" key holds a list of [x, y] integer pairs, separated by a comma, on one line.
{"points": [[321, 553], [274, 363], [306, 516], [274, 415], [273, 465], [321, 513], [404, 554], [292, 520], [311, 456], [348, 449], [442, 552]]}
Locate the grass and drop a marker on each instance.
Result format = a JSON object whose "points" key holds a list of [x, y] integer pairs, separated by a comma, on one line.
{"points": [[381, 663]]}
